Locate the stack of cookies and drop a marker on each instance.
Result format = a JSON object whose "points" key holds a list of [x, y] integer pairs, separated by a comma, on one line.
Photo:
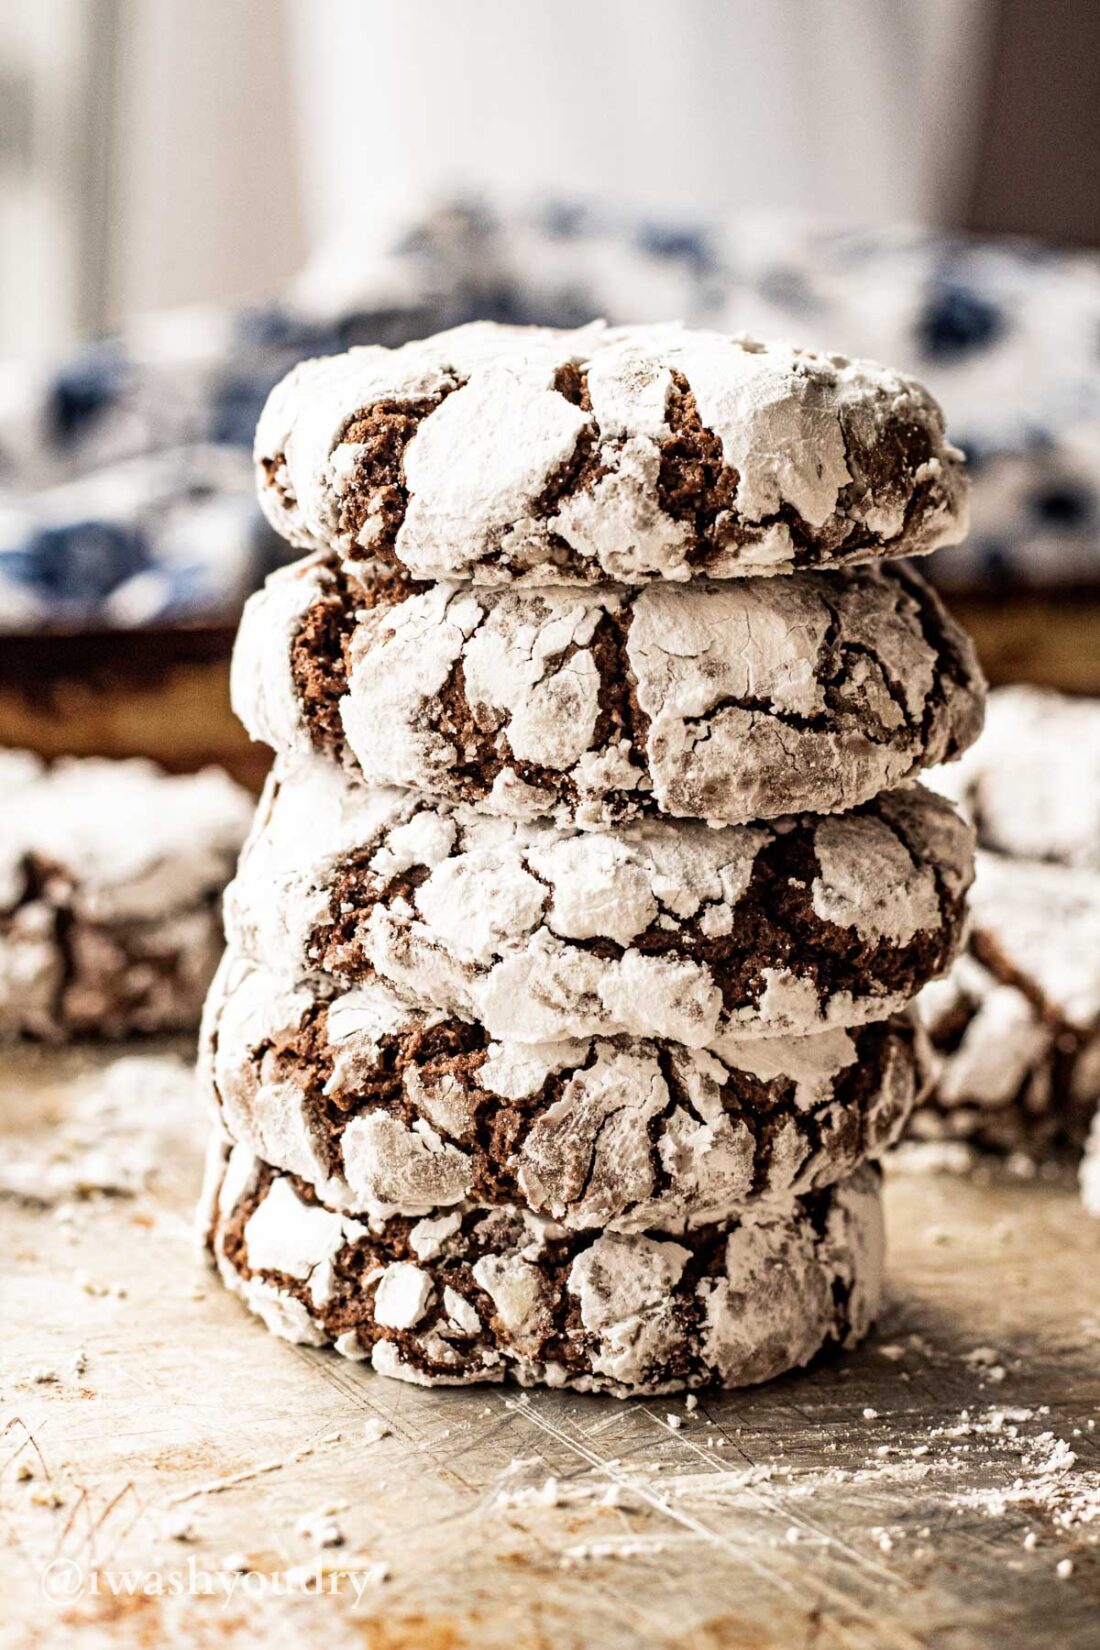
{"points": [[563, 1012]]}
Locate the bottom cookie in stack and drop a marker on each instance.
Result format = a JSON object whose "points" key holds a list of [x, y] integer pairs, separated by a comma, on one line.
{"points": [[476, 1293]]}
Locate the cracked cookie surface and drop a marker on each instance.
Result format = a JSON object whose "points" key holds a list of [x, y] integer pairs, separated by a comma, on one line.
{"points": [[389, 1109], [498, 453], [110, 879], [730, 702], [669, 929], [474, 1294]]}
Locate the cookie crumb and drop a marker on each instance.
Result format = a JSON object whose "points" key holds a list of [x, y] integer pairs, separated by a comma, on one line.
{"points": [[177, 1526], [321, 1527]]}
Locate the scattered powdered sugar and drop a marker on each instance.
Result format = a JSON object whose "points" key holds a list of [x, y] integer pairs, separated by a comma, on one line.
{"points": [[1048, 1478], [121, 1124], [523, 1485], [999, 1461]]}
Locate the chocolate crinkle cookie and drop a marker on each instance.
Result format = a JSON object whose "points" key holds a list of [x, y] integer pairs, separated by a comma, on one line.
{"points": [[498, 454], [386, 1109], [476, 1294], [111, 875], [665, 929], [1016, 1024], [593, 706]]}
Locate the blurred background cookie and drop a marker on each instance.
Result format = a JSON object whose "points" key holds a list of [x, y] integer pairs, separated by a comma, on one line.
{"points": [[1016, 1024], [111, 876]]}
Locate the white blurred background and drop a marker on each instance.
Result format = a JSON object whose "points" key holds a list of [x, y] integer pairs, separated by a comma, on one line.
{"points": [[155, 152]]}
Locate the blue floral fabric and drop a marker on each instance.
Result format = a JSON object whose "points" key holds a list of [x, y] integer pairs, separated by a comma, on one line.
{"points": [[125, 478]]}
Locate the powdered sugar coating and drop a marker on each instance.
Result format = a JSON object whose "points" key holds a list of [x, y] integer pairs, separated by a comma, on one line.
{"points": [[388, 1109], [729, 702], [506, 1295], [1018, 1019], [664, 928], [502, 453], [1042, 924], [996, 1082], [109, 878]]}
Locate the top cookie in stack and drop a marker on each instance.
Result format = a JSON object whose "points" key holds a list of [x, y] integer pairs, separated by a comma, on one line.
{"points": [[524, 455], [541, 948]]}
